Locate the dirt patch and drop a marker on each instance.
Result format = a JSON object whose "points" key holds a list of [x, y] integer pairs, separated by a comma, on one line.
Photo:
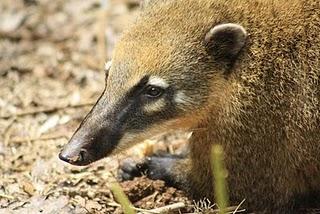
{"points": [[148, 194]]}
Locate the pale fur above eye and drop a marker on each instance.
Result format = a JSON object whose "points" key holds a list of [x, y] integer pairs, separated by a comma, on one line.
{"points": [[157, 81]]}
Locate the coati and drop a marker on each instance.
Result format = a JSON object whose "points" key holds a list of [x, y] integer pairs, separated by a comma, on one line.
{"points": [[242, 74]]}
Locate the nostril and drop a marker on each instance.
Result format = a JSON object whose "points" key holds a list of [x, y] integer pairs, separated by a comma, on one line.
{"points": [[82, 155]]}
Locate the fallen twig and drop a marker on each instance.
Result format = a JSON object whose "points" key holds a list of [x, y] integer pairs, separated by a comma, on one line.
{"points": [[44, 138], [164, 209], [231, 210], [144, 211], [6, 196], [228, 210], [153, 211], [46, 110], [7, 132], [102, 46], [238, 207]]}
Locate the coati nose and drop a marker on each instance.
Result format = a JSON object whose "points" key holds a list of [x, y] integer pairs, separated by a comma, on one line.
{"points": [[79, 158]]}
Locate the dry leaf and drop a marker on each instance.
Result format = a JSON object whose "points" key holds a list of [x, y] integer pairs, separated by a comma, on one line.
{"points": [[92, 206], [49, 124], [28, 188], [10, 21]]}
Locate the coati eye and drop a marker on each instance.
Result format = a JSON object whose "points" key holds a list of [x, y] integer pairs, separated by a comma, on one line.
{"points": [[153, 91]]}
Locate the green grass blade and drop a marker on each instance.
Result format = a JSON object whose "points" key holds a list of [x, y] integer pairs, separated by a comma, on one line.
{"points": [[219, 174], [122, 199]]}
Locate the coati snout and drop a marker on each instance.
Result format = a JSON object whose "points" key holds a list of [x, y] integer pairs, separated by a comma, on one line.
{"points": [[142, 100]]}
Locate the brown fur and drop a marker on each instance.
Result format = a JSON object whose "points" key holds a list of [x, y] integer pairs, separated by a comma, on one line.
{"points": [[261, 104], [265, 114]]}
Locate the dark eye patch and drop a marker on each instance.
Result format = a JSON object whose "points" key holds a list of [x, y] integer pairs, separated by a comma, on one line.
{"points": [[138, 88], [143, 88]]}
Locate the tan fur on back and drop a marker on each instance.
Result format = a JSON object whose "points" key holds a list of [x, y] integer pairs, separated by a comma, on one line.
{"points": [[265, 113]]}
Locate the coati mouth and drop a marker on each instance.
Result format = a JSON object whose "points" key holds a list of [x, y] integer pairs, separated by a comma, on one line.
{"points": [[81, 157], [82, 151]]}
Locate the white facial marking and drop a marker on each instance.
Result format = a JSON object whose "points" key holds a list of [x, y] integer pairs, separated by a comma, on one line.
{"points": [[154, 107], [157, 81], [181, 98]]}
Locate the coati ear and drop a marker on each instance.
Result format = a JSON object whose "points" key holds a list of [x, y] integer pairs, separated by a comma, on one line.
{"points": [[224, 41]]}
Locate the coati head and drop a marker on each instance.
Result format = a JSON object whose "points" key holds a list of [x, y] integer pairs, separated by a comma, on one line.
{"points": [[162, 76]]}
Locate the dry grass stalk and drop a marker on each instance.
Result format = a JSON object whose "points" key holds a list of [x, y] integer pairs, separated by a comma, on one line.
{"points": [[46, 110], [102, 21], [165, 209]]}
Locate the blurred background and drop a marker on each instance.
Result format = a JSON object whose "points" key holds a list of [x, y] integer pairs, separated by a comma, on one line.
{"points": [[51, 73]]}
